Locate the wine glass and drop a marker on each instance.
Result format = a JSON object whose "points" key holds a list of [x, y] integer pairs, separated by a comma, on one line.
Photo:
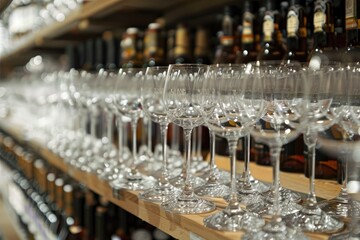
{"points": [[345, 78], [181, 93], [152, 89], [129, 104], [279, 125], [287, 199], [231, 103], [316, 118]]}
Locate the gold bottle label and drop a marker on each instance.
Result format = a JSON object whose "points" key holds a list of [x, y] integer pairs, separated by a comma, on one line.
{"points": [[128, 46], [247, 33], [150, 41], [292, 27], [319, 21], [268, 27], [350, 15]]}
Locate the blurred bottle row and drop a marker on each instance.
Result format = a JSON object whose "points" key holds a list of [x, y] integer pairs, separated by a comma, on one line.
{"points": [[49, 204]]}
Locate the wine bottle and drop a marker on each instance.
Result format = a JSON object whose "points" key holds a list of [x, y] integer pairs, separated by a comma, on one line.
{"points": [[352, 15], [225, 52], [131, 49], [324, 50], [182, 52], [154, 52], [296, 33], [248, 52], [201, 52], [112, 50], [272, 48]]}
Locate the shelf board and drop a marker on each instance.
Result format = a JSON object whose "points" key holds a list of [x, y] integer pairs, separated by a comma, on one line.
{"points": [[177, 225]]}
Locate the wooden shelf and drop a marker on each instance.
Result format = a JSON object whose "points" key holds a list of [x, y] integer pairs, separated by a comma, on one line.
{"points": [[179, 226], [97, 16]]}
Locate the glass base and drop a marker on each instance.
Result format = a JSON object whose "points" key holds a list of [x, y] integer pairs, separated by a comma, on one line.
{"points": [[285, 195], [179, 181], [133, 181], [188, 204], [275, 230], [247, 198], [160, 193], [213, 189], [255, 184], [340, 207], [226, 221], [315, 220], [223, 176], [266, 208]]}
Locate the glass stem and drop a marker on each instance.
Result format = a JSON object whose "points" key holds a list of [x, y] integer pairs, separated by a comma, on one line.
{"points": [[109, 128], [149, 136], [163, 133], [310, 140], [120, 138], [232, 151], [175, 138], [233, 202], [187, 138], [212, 174], [133, 129], [344, 178], [83, 122], [199, 143], [93, 125], [275, 158], [247, 161]]}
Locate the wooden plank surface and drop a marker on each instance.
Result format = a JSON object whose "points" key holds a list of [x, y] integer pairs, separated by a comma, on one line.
{"points": [[179, 226]]}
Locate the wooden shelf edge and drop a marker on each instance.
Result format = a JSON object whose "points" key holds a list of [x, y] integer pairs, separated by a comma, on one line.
{"points": [[178, 226]]}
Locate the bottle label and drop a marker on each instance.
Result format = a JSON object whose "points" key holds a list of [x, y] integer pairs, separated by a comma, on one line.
{"points": [[319, 21], [150, 41], [350, 15], [227, 40], [128, 47], [268, 27], [247, 32], [292, 23]]}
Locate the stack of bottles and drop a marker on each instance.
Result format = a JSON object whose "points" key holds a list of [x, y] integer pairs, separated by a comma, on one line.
{"points": [[51, 205]]}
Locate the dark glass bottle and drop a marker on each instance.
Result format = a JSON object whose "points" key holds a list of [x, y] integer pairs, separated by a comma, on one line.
{"points": [[101, 232], [296, 33], [89, 56], [352, 15], [112, 50], [272, 47], [154, 52], [89, 216], [201, 51], [324, 49], [248, 52], [131, 49], [226, 51], [182, 53], [100, 54]]}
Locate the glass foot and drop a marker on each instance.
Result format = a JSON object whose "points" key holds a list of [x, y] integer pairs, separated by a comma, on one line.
{"points": [[179, 181], [285, 195], [247, 198], [160, 193], [227, 221], [188, 204], [133, 181], [213, 189], [275, 230], [255, 184], [340, 207], [315, 220], [267, 208]]}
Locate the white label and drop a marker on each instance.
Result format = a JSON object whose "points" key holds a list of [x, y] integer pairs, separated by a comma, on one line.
{"points": [[268, 27], [292, 24], [350, 8], [319, 21]]}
